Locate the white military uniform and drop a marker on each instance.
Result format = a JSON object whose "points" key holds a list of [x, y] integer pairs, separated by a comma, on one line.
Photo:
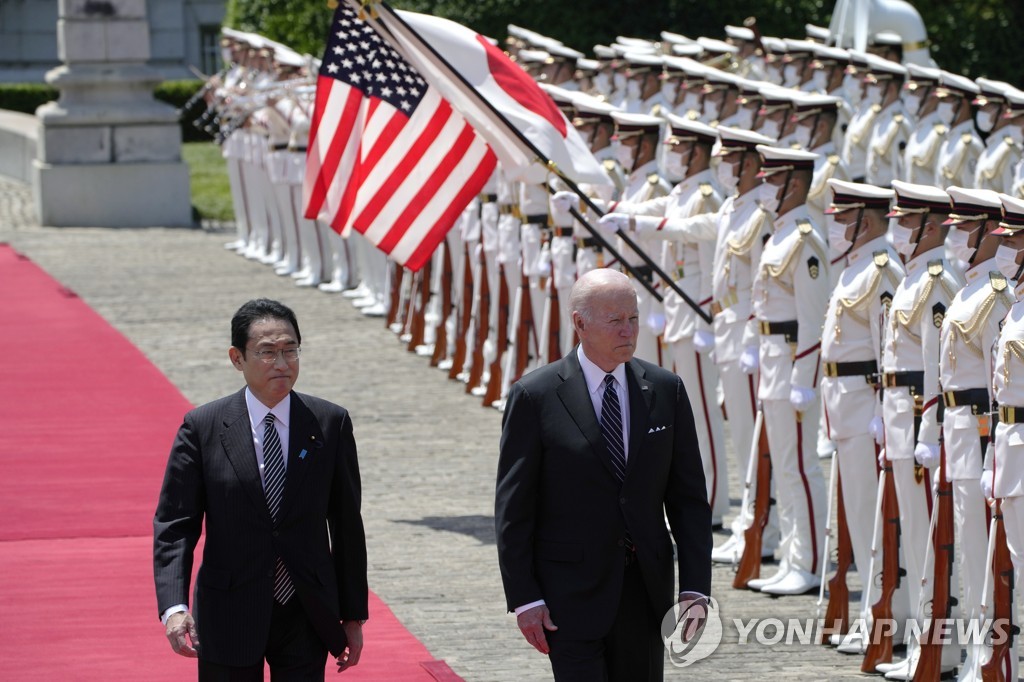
{"points": [[888, 139], [958, 155], [827, 166], [920, 158], [1003, 151], [858, 134]]}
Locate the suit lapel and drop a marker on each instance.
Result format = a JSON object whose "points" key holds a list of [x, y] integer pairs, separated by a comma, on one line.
{"points": [[641, 397], [236, 439], [575, 395], [305, 440]]}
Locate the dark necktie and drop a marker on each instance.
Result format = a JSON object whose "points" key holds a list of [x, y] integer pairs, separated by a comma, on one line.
{"points": [[273, 472], [611, 426]]}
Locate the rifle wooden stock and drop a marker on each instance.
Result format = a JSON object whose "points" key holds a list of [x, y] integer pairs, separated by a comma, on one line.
{"points": [[997, 667], [554, 321], [441, 338], [879, 645], [420, 299], [523, 331], [483, 317], [837, 613], [463, 315], [929, 667], [396, 274], [494, 381], [749, 566]]}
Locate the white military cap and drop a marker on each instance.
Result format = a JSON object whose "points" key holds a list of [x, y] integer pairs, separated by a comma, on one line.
{"points": [[527, 35], [830, 54], [1015, 98], [584, 64], [739, 33], [562, 97], [923, 74], [819, 34], [957, 85], [691, 67], [682, 129], [532, 56], [738, 140], [973, 204], [775, 98], [1013, 216], [912, 198], [676, 38], [990, 91], [720, 80], [687, 49], [635, 42], [564, 53], [799, 48], [774, 45], [639, 62], [780, 159], [884, 69], [605, 52], [289, 57], [890, 38], [590, 109], [848, 195], [715, 46], [809, 104], [628, 125]]}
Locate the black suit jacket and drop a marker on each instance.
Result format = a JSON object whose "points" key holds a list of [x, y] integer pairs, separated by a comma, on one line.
{"points": [[212, 475], [561, 514]]}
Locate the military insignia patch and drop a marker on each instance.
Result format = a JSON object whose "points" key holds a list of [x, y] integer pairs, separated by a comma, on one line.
{"points": [[881, 258], [813, 267], [935, 268], [886, 299], [997, 281], [938, 312]]}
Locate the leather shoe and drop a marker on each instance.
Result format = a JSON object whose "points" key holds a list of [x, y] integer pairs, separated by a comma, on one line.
{"points": [[762, 583], [853, 642], [797, 581], [729, 552]]}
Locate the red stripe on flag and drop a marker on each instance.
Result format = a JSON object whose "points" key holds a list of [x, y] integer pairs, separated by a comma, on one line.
{"points": [[329, 164]]}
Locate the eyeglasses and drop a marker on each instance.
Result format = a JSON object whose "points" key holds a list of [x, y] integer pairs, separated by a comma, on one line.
{"points": [[269, 357]]}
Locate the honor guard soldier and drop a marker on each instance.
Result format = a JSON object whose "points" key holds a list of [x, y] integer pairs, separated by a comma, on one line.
{"points": [[910, 378], [920, 158], [682, 229], [689, 100], [603, 83], [816, 117], [958, 155], [774, 51], [749, 59], [776, 108], [1004, 127], [788, 303], [851, 343], [721, 95], [1005, 480], [742, 228], [865, 111], [718, 54], [892, 127], [643, 87], [969, 330], [797, 70]]}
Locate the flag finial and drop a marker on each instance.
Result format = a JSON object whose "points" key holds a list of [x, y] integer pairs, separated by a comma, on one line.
{"points": [[368, 6]]}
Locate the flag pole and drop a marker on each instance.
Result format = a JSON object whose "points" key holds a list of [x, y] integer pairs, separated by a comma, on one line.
{"points": [[370, 9]]}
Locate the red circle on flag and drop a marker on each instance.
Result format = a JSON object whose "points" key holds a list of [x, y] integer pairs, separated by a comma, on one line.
{"points": [[521, 87]]}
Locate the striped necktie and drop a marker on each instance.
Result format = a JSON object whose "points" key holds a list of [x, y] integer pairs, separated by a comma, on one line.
{"points": [[611, 426], [273, 472]]}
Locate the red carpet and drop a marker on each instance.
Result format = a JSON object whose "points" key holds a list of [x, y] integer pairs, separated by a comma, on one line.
{"points": [[88, 422]]}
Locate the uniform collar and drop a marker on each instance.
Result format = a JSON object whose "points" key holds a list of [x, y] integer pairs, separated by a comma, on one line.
{"points": [[922, 260], [866, 250]]}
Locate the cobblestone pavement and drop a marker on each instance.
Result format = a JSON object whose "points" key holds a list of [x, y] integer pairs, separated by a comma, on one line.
{"points": [[427, 450]]}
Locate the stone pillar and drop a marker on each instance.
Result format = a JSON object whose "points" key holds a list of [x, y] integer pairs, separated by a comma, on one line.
{"points": [[109, 154]]}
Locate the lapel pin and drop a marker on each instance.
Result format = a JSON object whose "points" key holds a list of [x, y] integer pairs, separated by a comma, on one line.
{"points": [[302, 455]]}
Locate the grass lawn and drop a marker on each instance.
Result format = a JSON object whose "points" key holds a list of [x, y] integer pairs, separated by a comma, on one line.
{"points": [[211, 195]]}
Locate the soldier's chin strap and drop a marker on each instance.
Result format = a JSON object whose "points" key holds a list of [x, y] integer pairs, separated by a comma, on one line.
{"points": [[856, 231], [982, 231], [920, 232], [785, 186]]}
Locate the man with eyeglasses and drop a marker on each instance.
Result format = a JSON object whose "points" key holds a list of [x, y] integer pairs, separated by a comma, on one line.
{"points": [[267, 470]]}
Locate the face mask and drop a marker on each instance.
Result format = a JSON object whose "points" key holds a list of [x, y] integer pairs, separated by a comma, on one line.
{"points": [[851, 89], [603, 83], [946, 111], [902, 240], [957, 242], [726, 178], [873, 94], [711, 109], [986, 121], [768, 197], [912, 103], [837, 241], [625, 156], [1006, 261], [770, 129], [802, 136], [633, 89], [673, 166], [225, 54], [669, 91], [819, 80], [790, 76]]}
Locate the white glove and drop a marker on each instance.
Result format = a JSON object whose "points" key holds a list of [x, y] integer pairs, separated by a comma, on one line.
{"points": [[801, 398], [563, 201], [613, 222], [748, 360], [881, 458], [703, 341], [877, 430], [928, 455], [987, 481]]}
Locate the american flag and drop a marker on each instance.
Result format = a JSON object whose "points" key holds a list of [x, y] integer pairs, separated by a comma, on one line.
{"points": [[387, 155]]}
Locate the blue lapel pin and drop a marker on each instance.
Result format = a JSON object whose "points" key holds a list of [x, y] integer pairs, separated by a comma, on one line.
{"points": [[302, 455]]}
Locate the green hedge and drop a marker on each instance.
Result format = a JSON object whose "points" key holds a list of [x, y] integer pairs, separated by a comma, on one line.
{"points": [[27, 97]]}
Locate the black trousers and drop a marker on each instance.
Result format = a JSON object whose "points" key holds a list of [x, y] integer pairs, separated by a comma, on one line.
{"points": [[294, 651], [632, 652]]}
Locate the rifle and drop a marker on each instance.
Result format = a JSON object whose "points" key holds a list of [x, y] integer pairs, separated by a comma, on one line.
{"points": [[879, 644], [441, 339], [463, 315], [419, 299], [998, 667], [929, 666], [523, 331], [749, 566], [837, 613], [554, 320], [396, 276], [493, 391], [483, 316]]}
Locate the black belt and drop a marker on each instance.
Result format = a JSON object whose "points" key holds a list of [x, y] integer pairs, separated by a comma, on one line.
{"points": [[862, 368], [912, 380], [788, 329], [297, 149], [488, 198], [588, 243], [536, 219], [977, 398], [280, 146], [556, 231], [1011, 415]]}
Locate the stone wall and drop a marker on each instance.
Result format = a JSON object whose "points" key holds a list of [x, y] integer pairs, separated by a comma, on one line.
{"points": [[19, 134]]}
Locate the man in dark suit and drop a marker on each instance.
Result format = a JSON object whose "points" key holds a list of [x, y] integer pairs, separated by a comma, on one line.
{"points": [[274, 475], [597, 450]]}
